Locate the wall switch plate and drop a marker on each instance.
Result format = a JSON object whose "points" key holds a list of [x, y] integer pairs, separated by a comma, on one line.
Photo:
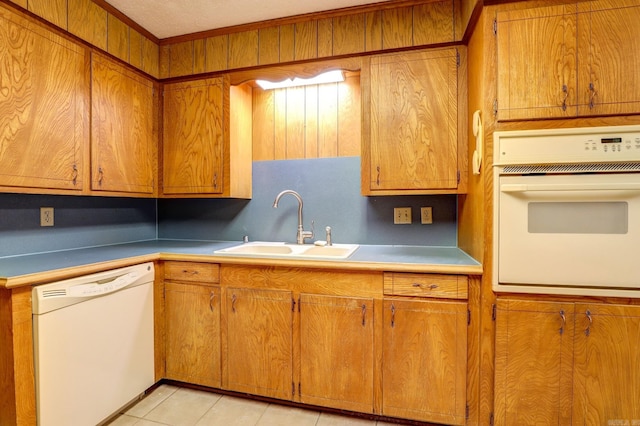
{"points": [[46, 216], [426, 215], [402, 215]]}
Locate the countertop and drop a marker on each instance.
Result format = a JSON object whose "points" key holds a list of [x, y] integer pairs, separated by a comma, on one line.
{"points": [[39, 268]]}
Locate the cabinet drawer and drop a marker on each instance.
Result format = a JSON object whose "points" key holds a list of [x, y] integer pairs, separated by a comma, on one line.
{"points": [[426, 285], [194, 272]]}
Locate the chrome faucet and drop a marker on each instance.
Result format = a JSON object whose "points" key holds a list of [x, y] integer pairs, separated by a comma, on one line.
{"points": [[301, 235]]}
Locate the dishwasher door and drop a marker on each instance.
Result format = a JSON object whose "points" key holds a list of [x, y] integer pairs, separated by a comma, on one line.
{"points": [[93, 343]]}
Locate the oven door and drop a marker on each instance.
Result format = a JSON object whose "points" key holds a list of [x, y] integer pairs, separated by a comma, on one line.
{"points": [[568, 234]]}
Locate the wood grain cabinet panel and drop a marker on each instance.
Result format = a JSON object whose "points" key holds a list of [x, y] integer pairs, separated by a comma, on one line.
{"points": [[609, 57], [410, 123], [206, 152], [336, 352], [606, 359], [533, 362], [568, 60], [424, 360], [124, 147], [192, 324], [566, 363], [194, 131], [44, 107], [259, 341]]}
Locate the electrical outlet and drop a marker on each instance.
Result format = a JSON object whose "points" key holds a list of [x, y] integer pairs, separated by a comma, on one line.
{"points": [[46, 216], [426, 215], [402, 215]]}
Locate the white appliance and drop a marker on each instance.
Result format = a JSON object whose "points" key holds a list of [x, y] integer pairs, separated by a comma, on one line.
{"points": [[93, 342], [567, 211]]}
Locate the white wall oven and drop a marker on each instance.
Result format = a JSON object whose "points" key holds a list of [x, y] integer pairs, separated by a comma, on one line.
{"points": [[567, 211]]}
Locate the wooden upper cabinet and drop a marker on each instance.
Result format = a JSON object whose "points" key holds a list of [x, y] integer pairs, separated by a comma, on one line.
{"points": [[44, 107], [606, 360], [124, 143], [536, 50], [568, 60], [424, 360], [609, 56], [336, 352], [206, 152], [410, 123]]}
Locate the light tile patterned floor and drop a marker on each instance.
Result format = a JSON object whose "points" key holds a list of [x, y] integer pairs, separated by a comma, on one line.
{"points": [[177, 406]]}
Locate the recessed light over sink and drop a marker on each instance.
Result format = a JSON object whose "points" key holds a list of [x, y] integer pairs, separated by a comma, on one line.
{"points": [[334, 76], [280, 249]]}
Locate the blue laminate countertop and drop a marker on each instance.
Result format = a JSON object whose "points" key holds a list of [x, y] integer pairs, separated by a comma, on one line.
{"points": [[42, 267]]}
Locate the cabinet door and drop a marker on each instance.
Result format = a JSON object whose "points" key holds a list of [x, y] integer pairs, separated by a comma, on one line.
{"points": [[536, 51], [336, 352], [192, 323], [413, 135], [124, 149], [606, 360], [195, 117], [44, 107], [533, 368], [609, 53], [259, 342], [424, 360]]}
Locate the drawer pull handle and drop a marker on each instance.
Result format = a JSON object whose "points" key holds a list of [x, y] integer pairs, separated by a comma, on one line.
{"points": [[364, 314], [431, 287], [564, 320], [233, 303], [186, 271]]}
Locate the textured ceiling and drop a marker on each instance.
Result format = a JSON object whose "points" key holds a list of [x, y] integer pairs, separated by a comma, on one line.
{"points": [[169, 18]]}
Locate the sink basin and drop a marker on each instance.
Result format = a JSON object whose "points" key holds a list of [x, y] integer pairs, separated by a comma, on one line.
{"points": [[278, 249]]}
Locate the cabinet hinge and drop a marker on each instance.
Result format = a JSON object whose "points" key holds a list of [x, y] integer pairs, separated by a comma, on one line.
{"points": [[468, 316], [491, 419], [293, 389], [495, 107], [293, 305], [466, 412], [299, 390], [495, 27], [457, 58], [493, 312], [298, 304], [458, 177]]}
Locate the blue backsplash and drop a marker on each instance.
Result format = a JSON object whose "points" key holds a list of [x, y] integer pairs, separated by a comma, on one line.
{"points": [[329, 187], [78, 222]]}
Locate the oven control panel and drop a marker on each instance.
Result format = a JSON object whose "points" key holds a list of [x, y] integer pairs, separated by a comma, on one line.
{"points": [[577, 145]]}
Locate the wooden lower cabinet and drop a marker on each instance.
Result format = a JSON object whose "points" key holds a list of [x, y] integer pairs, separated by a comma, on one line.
{"points": [[566, 363], [192, 312], [424, 360], [259, 341], [336, 352], [192, 324]]}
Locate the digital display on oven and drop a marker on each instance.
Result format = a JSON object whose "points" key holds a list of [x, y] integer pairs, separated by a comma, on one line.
{"points": [[611, 140]]}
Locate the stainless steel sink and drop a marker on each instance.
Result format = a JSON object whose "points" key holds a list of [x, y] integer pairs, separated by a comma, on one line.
{"points": [[279, 249]]}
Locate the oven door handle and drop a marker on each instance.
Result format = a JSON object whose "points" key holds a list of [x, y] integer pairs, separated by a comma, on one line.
{"points": [[521, 187]]}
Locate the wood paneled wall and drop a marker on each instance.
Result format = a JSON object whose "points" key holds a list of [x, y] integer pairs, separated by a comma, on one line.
{"points": [[94, 24], [316, 121], [400, 25], [378, 27]]}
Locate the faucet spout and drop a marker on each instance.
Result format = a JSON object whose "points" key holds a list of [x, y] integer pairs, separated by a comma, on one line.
{"points": [[301, 234]]}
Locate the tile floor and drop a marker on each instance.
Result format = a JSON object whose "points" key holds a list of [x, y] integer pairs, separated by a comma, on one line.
{"points": [[178, 406]]}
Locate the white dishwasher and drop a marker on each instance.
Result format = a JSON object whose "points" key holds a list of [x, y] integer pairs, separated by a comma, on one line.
{"points": [[93, 343]]}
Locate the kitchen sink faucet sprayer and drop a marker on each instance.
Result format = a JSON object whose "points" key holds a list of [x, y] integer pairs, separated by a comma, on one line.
{"points": [[301, 235]]}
